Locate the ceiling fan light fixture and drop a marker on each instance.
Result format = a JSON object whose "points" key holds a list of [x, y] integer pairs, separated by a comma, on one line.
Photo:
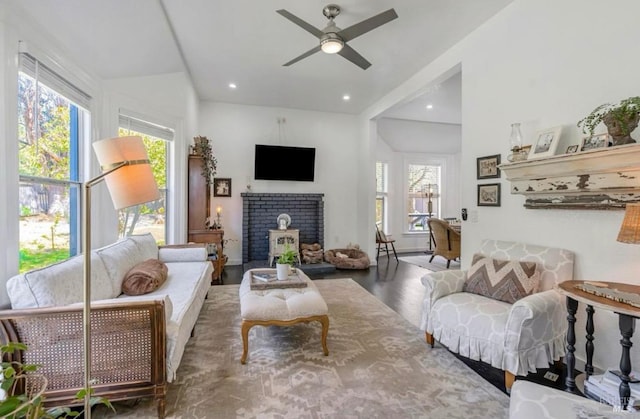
{"points": [[331, 43]]}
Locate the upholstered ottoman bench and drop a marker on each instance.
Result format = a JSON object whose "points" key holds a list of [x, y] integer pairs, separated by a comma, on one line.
{"points": [[281, 307]]}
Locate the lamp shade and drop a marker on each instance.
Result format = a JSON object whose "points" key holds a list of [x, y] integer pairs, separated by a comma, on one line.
{"points": [[133, 183], [630, 229]]}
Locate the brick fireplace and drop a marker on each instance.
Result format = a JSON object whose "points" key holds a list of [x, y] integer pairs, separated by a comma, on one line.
{"points": [[260, 212]]}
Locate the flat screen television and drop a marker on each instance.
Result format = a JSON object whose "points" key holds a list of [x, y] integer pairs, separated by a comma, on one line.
{"points": [[275, 162]]}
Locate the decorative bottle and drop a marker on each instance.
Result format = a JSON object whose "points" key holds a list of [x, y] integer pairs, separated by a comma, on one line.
{"points": [[515, 140]]}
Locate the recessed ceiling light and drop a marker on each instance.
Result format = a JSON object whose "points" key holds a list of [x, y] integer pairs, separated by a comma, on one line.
{"points": [[346, 97], [232, 86], [429, 106]]}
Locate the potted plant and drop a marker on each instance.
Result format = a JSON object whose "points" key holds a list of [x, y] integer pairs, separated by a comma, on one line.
{"points": [[286, 259], [202, 148], [620, 119]]}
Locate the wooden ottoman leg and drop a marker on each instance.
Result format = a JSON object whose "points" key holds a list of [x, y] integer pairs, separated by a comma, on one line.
{"points": [[325, 331], [246, 326]]}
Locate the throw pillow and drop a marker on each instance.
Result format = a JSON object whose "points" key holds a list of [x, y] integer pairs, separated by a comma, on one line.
{"points": [[145, 277], [504, 280]]}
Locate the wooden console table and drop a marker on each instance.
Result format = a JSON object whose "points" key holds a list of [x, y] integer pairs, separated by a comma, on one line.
{"points": [[627, 315], [214, 237]]}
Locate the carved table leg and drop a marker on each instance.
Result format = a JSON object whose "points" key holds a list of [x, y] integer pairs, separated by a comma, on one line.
{"points": [[324, 320], [570, 382], [588, 368], [626, 324]]}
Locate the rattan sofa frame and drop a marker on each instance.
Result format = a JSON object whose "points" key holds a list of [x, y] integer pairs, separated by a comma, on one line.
{"points": [[128, 349]]}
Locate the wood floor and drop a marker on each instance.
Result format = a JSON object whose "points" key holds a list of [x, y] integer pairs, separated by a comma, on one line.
{"points": [[397, 284]]}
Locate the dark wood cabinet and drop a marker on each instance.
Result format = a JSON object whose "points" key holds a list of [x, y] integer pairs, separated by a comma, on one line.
{"points": [[199, 203]]}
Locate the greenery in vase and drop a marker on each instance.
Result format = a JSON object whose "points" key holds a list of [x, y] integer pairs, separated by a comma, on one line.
{"points": [[31, 406], [287, 257], [623, 112], [202, 148]]}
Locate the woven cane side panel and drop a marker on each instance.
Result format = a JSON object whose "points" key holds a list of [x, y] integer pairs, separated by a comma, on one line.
{"points": [[122, 348], [55, 343], [121, 345]]}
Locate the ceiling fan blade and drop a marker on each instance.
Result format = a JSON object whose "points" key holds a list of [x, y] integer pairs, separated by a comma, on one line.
{"points": [[367, 25], [304, 25], [351, 55], [305, 55]]}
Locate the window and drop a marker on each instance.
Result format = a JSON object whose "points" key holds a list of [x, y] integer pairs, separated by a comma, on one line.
{"points": [[381, 194], [423, 195], [51, 124], [150, 217]]}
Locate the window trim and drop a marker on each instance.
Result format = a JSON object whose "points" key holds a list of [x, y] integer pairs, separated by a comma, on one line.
{"points": [[426, 160]]}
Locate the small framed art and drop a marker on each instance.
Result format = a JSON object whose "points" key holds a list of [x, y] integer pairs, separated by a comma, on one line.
{"points": [[545, 143], [222, 187], [489, 195], [595, 141], [487, 167]]}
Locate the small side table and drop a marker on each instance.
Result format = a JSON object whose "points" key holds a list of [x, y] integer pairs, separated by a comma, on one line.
{"points": [[627, 315]]}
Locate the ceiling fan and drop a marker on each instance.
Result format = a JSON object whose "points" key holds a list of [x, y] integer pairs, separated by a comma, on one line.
{"points": [[333, 39]]}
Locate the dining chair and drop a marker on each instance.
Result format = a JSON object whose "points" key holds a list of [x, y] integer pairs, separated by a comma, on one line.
{"points": [[381, 239]]}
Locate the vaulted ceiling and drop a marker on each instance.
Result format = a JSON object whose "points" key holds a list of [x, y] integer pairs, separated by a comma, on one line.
{"points": [[245, 42]]}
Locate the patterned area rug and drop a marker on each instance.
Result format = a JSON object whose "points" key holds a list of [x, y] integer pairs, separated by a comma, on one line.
{"points": [[378, 367], [438, 264]]}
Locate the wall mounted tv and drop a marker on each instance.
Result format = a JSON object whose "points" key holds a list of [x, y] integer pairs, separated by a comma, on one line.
{"points": [[284, 163]]}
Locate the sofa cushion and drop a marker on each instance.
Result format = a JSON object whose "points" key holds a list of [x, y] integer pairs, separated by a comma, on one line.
{"points": [[183, 254], [146, 244], [59, 284], [503, 280], [472, 326], [118, 259], [145, 277]]}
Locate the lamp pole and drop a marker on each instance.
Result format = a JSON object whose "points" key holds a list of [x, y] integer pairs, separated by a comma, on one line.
{"points": [[86, 311]]}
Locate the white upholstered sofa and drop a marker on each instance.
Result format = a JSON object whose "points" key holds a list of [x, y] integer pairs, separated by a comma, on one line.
{"points": [[516, 338], [145, 334]]}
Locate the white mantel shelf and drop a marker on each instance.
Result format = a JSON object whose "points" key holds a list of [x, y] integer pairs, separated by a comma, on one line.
{"points": [[607, 178]]}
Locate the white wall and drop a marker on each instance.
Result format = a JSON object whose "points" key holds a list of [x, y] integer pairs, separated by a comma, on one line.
{"points": [[235, 129], [402, 141], [545, 63]]}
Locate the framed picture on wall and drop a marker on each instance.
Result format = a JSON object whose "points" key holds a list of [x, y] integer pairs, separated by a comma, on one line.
{"points": [[489, 195], [222, 187], [545, 143], [487, 167]]}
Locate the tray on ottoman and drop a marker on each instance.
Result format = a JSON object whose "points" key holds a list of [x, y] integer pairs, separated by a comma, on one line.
{"points": [[265, 279]]}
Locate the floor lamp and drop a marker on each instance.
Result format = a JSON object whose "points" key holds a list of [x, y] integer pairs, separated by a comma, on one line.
{"points": [[127, 173]]}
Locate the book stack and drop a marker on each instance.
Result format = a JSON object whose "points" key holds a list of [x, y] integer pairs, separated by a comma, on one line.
{"points": [[606, 388]]}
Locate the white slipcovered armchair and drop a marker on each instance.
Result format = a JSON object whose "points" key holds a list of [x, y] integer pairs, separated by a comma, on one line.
{"points": [[516, 338]]}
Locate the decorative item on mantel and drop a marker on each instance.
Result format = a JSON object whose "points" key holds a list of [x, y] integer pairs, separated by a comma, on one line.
{"points": [[284, 221], [518, 153], [201, 147], [620, 119]]}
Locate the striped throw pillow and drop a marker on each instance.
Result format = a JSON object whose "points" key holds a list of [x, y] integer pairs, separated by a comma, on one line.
{"points": [[504, 280]]}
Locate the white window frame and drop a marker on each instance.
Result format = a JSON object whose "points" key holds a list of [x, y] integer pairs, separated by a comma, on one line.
{"points": [[384, 194], [425, 160]]}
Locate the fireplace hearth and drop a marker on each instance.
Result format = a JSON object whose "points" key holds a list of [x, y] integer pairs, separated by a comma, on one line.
{"points": [[259, 215]]}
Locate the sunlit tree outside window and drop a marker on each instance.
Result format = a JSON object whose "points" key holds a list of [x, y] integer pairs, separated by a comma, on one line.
{"points": [[48, 132]]}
